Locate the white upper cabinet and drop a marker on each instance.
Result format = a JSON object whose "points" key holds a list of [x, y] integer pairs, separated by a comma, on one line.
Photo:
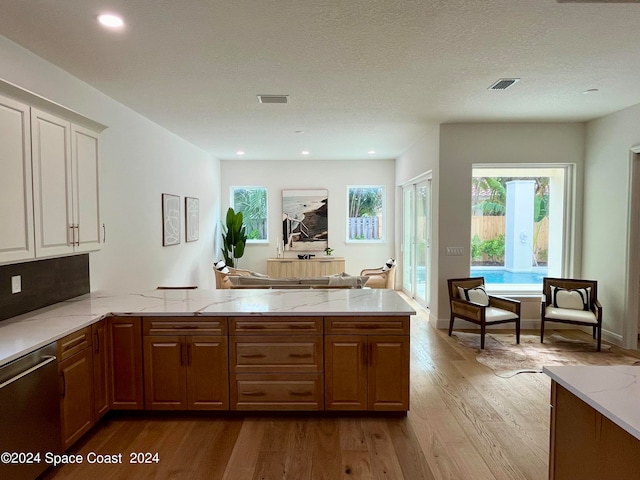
{"points": [[16, 207], [66, 193], [86, 200]]}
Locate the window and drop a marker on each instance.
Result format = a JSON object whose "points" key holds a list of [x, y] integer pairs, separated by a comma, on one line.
{"points": [[252, 202], [365, 215], [517, 225]]}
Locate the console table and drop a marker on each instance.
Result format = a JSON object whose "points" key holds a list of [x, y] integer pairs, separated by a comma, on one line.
{"points": [[312, 267]]}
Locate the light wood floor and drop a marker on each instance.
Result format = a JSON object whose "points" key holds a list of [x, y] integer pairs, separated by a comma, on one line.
{"points": [[464, 423]]}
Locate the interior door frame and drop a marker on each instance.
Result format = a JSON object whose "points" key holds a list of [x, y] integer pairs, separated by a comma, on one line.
{"points": [[631, 327]]}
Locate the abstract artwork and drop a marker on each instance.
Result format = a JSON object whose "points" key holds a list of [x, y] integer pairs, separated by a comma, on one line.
{"points": [[304, 219], [191, 218], [170, 219]]}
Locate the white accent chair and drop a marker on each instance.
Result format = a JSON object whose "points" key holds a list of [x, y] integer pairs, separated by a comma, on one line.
{"points": [[481, 309], [573, 301]]}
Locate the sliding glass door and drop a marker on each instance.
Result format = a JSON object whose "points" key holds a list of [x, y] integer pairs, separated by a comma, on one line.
{"points": [[416, 242]]}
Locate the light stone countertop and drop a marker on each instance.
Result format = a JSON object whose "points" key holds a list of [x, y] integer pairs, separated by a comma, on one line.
{"points": [[25, 333], [614, 391]]}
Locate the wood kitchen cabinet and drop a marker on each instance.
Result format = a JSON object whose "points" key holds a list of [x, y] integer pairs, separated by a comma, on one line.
{"points": [[101, 382], [16, 201], [587, 445], [276, 363], [367, 363], [125, 363], [75, 370], [187, 371]]}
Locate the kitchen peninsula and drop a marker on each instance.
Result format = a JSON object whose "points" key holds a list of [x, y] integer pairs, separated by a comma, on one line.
{"points": [[595, 422], [315, 350]]}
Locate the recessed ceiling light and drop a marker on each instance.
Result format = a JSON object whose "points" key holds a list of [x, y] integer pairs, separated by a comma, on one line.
{"points": [[240, 152], [371, 152], [591, 90], [110, 20], [305, 152]]}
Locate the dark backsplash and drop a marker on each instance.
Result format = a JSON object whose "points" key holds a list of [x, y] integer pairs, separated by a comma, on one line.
{"points": [[44, 282]]}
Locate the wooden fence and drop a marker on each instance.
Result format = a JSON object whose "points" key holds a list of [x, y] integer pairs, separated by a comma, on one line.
{"points": [[364, 228], [490, 227]]}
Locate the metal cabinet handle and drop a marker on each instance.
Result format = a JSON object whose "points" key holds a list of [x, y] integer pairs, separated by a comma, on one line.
{"points": [[301, 394], [188, 354], [104, 233], [253, 394], [181, 354], [252, 355], [300, 355]]}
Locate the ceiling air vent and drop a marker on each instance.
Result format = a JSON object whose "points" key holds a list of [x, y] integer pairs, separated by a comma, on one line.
{"points": [[273, 98], [503, 83]]}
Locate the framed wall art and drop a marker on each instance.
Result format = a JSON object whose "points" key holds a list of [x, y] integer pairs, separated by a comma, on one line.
{"points": [[191, 219], [170, 219], [305, 219]]}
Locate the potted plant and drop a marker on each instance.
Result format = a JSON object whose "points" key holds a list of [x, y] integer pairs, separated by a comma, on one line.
{"points": [[234, 238]]}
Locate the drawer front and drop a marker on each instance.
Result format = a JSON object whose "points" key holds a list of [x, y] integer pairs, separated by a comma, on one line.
{"points": [[275, 325], [370, 325], [277, 392], [74, 343], [275, 354], [184, 326]]}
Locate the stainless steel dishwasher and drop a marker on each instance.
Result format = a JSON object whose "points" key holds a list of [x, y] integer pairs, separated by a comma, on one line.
{"points": [[29, 414]]}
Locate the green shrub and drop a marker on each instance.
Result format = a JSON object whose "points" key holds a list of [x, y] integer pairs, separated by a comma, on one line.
{"points": [[494, 248]]}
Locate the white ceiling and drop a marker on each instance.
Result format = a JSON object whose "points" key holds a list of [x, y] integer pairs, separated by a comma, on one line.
{"points": [[361, 74]]}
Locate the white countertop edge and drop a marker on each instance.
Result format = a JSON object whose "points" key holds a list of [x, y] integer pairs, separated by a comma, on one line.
{"points": [[24, 334], [556, 374]]}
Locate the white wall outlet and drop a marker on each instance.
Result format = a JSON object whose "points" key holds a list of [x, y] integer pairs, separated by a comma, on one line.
{"points": [[455, 251], [16, 284]]}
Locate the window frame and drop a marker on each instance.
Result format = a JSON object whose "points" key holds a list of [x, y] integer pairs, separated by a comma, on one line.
{"points": [[232, 190], [568, 206], [383, 215]]}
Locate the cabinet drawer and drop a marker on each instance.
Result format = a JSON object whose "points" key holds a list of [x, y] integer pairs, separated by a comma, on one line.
{"points": [[277, 392], [275, 354], [74, 343], [275, 325], [184, 326], [382, 325]]}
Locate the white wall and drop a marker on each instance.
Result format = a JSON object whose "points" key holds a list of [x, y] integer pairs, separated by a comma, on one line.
{"points": [[461, 146], [421, 158], [139, 162], [606, 227], [309, 174]]}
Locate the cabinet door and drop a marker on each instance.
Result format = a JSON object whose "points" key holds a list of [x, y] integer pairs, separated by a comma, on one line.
{"points": [[86, 201], [16, 205], [345, 372], [388, 373], [76, 396], [100, 368], [165, 373], [207, 373], [125, 363], [55, 231]]}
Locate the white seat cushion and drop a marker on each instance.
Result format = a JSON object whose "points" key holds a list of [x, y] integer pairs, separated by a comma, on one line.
{"points": [[493, 314], [552, 313]]}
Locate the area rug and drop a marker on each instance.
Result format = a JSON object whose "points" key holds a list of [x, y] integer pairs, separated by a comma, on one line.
{"points": [[506, 358]]}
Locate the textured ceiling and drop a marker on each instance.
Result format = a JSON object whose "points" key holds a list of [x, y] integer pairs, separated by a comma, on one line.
{"points": [[361, 74]]}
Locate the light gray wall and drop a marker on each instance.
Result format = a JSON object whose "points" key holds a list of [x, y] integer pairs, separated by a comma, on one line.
{"points": [[462, 146], [606, 228], [334, 176], [139, 161]]}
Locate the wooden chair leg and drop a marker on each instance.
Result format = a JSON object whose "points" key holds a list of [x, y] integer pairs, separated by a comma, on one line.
{"points": [[599, 337], [451, 325], [542, 330], [594, 331], [482, 332], [518, 331]]}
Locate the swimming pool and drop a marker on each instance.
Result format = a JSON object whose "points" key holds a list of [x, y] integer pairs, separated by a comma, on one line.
{"points": [[500, 275]]}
